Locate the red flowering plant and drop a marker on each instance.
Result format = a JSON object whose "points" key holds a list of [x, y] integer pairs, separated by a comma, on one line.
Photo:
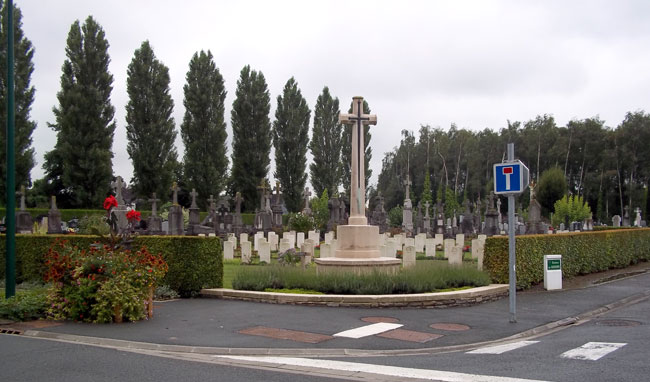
{"points": [[107, 282]]}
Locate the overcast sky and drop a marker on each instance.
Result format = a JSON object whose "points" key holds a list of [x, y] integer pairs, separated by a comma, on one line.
{"points": [[477, 64]]}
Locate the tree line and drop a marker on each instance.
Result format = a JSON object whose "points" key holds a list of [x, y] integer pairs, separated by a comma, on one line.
{"points": [[605, 165], [79, 170]]}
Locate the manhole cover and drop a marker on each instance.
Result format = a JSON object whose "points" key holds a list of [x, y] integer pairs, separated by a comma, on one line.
{"points": [[617, 323]]}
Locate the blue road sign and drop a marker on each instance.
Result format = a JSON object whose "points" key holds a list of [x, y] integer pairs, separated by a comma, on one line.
{"points": [[510, 178]]}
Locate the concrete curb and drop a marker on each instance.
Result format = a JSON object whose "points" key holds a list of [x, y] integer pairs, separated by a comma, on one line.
{"points": [[310, 352], [425, 300]]}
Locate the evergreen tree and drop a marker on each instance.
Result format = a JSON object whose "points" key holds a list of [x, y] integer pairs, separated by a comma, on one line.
{"points": [[23, 99], [290, 140], [325, 144], [426, 192], [346, 151], [84, 118], [204, 128], [251, 141], [149, 123]]}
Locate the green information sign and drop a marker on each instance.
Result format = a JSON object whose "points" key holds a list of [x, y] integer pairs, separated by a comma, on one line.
{"points": [[554, 264]]}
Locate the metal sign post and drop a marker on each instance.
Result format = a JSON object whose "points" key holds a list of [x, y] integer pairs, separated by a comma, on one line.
{"points": [[511, 178]]}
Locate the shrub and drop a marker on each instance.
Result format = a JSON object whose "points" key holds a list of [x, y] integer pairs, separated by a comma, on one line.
{"points": [[425, 277], [25, 305], [301, 223], [582, 253], [194, 262], [573, 208], [395, 216]]}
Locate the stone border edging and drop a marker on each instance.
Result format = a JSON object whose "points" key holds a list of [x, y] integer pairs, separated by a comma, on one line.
{"points": [[420, 300]]}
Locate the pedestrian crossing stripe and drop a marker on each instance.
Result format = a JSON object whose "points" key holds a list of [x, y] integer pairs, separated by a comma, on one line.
{"points": [[368, 330], [499, 349], [592, 351]]}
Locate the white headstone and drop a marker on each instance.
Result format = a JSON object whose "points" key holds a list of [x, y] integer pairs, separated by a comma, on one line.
{"points": [[264, 251], [313, 235], [245, 252], [419, 242], [329, 236], [477, 247], [228, 250], [300, 239], [273, 241], [400, 240], [430, 248], [285, 244], [408, 257], [381, 241], [439, 238], [409, 242], [449, 245], [325, 250], [482, 238], [390, 250], [243, 237], [258, 235], [460, 239], [455, 255]]}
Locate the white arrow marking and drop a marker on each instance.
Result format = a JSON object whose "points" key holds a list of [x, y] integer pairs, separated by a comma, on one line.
{"points": [[368, 330]]}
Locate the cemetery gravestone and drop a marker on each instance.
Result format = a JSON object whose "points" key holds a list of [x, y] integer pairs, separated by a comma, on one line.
{"points": [[228, 250], [264, 251], [24, 223], [53, 218], [246, 254], [408, 257], [430, 248]]}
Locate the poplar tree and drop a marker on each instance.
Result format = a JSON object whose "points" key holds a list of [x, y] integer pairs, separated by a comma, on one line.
{"points": [[325, 145], [23, 99], [84, 118], [290, 140], [251, 141], [346, 151], [204, 128], [149, 123]]}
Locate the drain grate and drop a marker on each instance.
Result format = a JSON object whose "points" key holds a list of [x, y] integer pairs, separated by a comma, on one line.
{"points": [[618, 323], [10, 331]]}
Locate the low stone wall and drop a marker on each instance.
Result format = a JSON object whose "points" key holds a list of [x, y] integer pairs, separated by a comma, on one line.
{"points": [[420, 300]]}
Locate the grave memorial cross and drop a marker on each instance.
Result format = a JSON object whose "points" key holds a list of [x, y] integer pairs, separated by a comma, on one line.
{"points": [[22, 198], [263, 188], [238, 201], [194, 195], [212, 200], [118, 184], [175, 190], [306, 194], [154, 206], [357, 170]]}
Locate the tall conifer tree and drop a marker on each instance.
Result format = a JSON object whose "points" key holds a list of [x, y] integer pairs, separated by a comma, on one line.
{"points": [[23, 99], [84, 118], [204, 128], [290, 140], [251, 141], [149, 123], [346, 151], [325, 145]]}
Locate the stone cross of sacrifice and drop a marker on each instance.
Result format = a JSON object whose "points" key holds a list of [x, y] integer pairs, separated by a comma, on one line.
{"points": [[154, 206], [357, 120], [306, 194]]}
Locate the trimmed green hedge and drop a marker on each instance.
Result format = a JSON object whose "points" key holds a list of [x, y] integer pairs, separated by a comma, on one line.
{"points": [[194, 262], [582, 253]]}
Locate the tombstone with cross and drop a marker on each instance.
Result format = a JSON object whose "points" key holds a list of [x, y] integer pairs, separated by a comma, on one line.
{"points": [[407, 211], [24, 222], [176, 223], [306, 194], [194, 213], [276, 207], [154, 223], [357, 120], [53, 218]]}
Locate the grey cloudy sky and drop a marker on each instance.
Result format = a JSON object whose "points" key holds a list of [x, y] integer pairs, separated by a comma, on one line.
{"points": [[473, 63]]}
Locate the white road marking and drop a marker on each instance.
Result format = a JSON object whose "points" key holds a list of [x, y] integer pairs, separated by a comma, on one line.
{"points": [[392, 371], [593, 351], [499, 349], [368, 330]]}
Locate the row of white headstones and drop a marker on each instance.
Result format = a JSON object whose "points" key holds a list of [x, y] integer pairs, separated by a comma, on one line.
{"points": [[388, 246]]}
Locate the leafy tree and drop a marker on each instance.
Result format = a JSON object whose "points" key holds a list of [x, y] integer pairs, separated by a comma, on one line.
{"points": [[84, 118], [551, 188], [290, 140], [325, 145], [573, 208], [204, 128], [346, 151], [149, 123], [251, 143], [395, 216], [23, 98], [320, 211]]}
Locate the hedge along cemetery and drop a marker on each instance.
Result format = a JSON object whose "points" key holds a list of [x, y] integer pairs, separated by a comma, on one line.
{"points": [[432, 198]]}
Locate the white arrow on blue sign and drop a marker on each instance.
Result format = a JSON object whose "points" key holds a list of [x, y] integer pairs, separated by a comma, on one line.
{"points": [[510, 178]]}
